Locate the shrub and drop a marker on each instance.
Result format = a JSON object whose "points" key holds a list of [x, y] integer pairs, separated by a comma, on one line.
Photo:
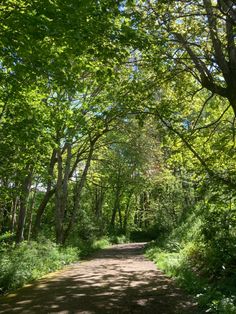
{"points": [[200, 255], [119, 239], [31, 260]]}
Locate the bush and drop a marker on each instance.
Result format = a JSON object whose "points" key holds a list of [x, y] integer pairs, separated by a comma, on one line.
{"points": [[87, 247], [101, 243], [31, 260], [119, 239], [200, 255], [219, 232]]}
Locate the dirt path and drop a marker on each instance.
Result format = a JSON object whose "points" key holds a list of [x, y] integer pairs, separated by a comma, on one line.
{"points": [[116, 280]]}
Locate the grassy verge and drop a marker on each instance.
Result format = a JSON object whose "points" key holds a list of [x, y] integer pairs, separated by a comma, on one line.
{"points": [[31, 260], [196, 268], [213, 295]]}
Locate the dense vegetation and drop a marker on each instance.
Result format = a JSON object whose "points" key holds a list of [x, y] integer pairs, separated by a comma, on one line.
{"points": [[117, 120]]}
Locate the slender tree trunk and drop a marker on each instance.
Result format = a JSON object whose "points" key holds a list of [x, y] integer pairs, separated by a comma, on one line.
{"points": [[146, 208], [47, 196], [77, 193], [6, 216], [58, 198], [120, 217], [62, 193], [115, 207], [127, 211], [23, 206], [4, 209], [32, 202], [13, 215], [141, 210], [136, 215]]}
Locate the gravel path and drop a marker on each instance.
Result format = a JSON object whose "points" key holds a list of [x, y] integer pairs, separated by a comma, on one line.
{"points": [[116, 280]]}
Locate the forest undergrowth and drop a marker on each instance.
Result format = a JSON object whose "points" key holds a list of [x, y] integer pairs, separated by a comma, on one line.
{"points": [[28, 261], [198, 265]]}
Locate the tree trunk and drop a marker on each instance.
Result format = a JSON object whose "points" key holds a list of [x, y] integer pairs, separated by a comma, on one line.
{"points": [[23, 206], [61, 193], [32, 202], [77, 193], [13, 213], [136, 216], [47, 196], [127, 210], [115, 207], [120, 217], [141, 210]]}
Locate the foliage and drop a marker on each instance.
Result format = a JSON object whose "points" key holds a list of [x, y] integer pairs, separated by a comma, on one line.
{"points": [[90, 246], [198, 267], [119, 239], [117, 120], [29, 261]]}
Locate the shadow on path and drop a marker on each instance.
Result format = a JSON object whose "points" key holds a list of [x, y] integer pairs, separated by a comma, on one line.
{"points": [[115, 280]]}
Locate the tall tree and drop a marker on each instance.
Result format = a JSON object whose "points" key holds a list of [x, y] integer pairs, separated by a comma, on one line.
{"points": [[193, 36]]}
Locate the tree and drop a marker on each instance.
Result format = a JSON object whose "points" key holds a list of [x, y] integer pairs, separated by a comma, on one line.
{"points": [[51, 53], [193, 36]]}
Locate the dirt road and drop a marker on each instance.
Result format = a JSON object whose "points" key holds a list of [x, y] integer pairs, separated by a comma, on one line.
{"points": [[116, 280]]}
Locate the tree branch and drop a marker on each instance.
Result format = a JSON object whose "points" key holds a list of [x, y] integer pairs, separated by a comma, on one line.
{"points": [[201, 111]]}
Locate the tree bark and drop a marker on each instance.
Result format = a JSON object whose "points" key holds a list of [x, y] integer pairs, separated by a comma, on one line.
{"points": [[115, 207], [23, 205], [127, 210], [61, 193], [14, 208], [77, 193], [32, 202], [47, 196]]}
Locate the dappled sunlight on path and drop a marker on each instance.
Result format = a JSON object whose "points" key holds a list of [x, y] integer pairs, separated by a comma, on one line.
{"points": [[115, 280]]}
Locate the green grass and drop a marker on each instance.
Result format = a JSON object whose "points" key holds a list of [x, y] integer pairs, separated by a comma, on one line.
{"points": [[214, 297], [119, 239], [91, 246], [184, 256], [28, 261]]}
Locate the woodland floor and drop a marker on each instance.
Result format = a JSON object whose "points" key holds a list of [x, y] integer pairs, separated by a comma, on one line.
{"points": [[115, 280]]}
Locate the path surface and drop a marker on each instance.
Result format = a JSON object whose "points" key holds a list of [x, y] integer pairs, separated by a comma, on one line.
{"points": [[116, 280]]}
